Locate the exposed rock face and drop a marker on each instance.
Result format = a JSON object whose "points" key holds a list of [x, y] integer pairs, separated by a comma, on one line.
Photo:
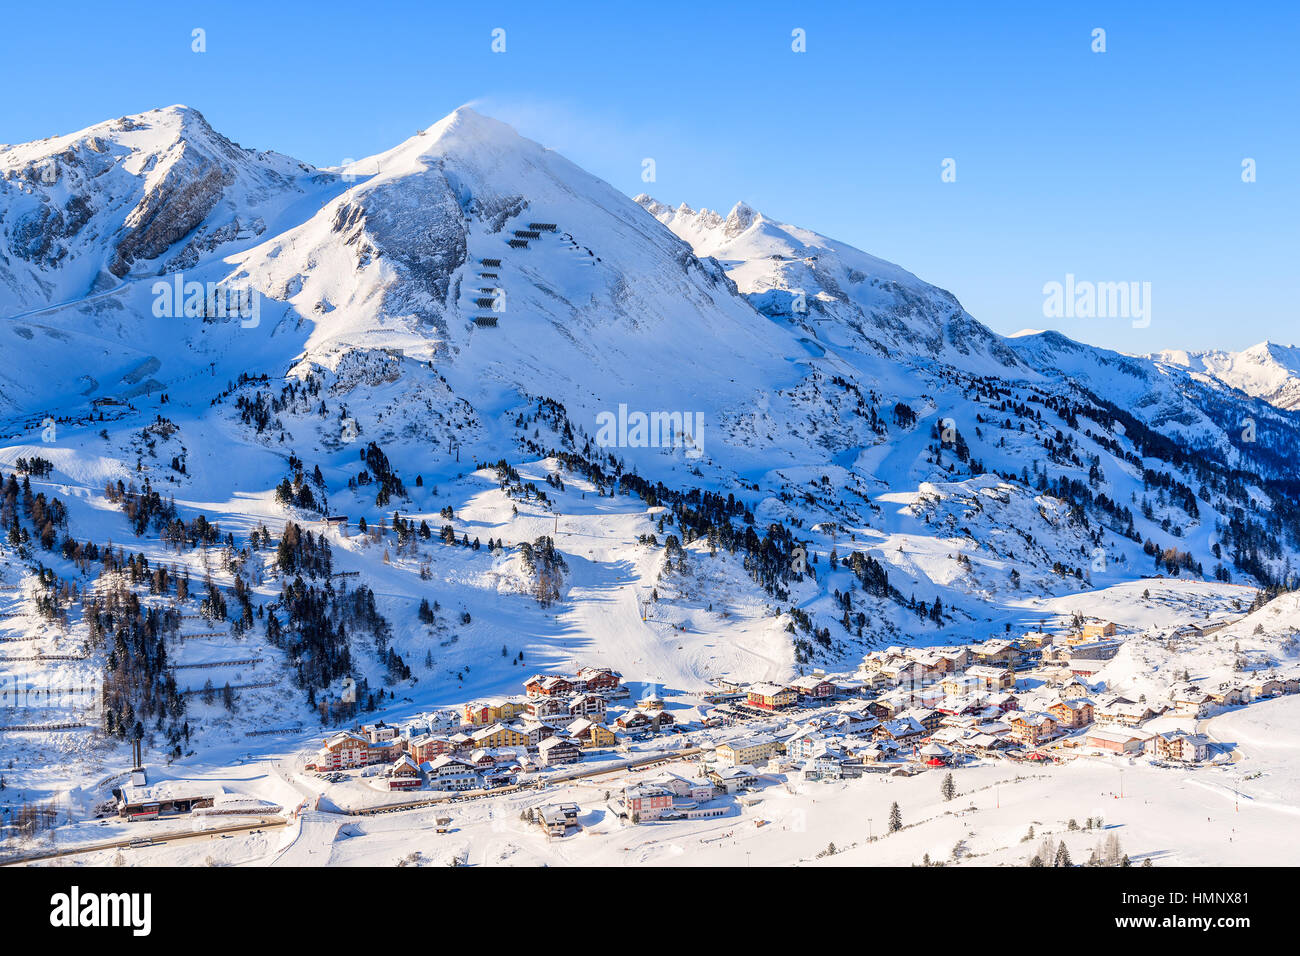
{"points": [[167, 213], [161, 190], [740, 218]]}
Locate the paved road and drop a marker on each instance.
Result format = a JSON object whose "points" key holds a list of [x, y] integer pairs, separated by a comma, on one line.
{"points": [[635, 763], [176, 836]]}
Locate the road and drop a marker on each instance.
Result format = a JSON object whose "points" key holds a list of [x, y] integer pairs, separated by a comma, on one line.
{"points": [[171, 837], [634, 764]]}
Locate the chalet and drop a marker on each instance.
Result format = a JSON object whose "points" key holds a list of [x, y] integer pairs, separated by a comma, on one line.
{"points": [[800, 746], [902, 730], [1228, 695], [1031, 729], [996, 652], [873, 754], [498, 735], [1075, 688], [636, 720], [904, 673], [1084, 668], [1191, 702], [343, 751], [502, 775], [444, 722], [1179, 745], [599, 679], [483, 759], [1263, 689], [813, 687], [992, 677], [557, 818], [1072, 714], [927, 718], [1114, 740], [554, 751], [825, 763], [651, 702], [591, 734], [733, 779], [882, 709], [959, 658], [427, 747], [1033, 643], [935, 754], [383, 752], [543, 707], [646, 802], [590, 705], [542, 685], [747, 750], [1290, 685], [770, 696], [535, 730], [451, 773], [933, 665], [1092, 630], [960, 706], [1004, 702], [1124, 714], [960, 685], [854, 722], [404, 775]]}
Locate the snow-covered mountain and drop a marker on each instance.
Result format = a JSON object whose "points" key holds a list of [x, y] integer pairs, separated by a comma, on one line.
{"points": [[1267, 370], [447, 329]]}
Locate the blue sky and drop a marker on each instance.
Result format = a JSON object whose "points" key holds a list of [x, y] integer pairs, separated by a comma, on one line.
{"points": [[1115, 166]]}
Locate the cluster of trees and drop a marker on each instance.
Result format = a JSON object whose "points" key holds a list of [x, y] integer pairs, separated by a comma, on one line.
{"points": [[46, 515], [297, 492], [36, 465], [143, 507], [317, 629], [302, 552], [546, 567], [378, 472], [261, 411], [139, 690]]}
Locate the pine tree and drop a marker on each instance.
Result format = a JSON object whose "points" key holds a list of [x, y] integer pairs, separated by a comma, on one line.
{"points": [[1063, 856], [948, 788], [895, 818]]}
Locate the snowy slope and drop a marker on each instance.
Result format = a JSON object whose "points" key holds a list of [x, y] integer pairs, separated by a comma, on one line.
{"points": [[846, 405]]}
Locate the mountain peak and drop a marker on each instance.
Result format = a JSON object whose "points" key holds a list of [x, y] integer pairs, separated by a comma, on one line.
{"points": [[738, 220]]}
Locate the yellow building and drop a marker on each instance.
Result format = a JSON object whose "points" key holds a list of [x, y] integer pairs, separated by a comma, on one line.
{"points": [[748, 750], [499, 735]]}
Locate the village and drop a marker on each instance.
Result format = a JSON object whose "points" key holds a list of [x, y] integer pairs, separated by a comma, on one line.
{"points": [[1028, 700]]}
